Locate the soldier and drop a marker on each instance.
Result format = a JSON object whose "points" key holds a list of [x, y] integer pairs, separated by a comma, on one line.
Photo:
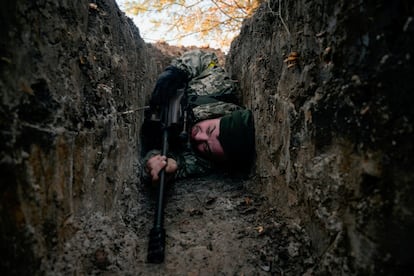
{"points": [[221, 134]]}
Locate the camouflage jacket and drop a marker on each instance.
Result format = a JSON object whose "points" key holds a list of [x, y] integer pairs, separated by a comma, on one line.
{"points": [[211, 94]]}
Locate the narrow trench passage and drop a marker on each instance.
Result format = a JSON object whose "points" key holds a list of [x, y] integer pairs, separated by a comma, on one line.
{"points": [[218, 226], [335, 128], [214, 225]]}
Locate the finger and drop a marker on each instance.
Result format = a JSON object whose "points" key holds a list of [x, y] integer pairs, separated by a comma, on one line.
{"points": [[171, 166], [154, 158], [154, 175], [156, 168]]}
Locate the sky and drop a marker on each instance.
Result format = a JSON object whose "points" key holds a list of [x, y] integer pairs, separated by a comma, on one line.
{"points": [[149, 35]]}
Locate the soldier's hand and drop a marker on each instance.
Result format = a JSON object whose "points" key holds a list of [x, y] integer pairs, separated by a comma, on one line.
{"points": [[156, 163]]}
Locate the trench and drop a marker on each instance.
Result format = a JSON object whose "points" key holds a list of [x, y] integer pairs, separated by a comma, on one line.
{"points": [[214, 225], [331, 190]]}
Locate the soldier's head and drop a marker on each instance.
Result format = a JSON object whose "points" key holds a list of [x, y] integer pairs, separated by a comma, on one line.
{"points": [[230, 138], [204, 136]]}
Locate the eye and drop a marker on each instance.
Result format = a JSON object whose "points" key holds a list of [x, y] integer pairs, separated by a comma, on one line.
{"points": [[210, 130]]}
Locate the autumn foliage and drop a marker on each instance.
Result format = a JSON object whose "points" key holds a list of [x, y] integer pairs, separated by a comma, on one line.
{"points": [[212, 20]]}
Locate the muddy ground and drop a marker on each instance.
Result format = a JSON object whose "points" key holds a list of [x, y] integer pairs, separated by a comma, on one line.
{"points": [[215, 226]]}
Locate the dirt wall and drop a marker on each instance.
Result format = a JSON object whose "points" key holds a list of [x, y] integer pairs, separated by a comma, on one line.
{"points": [[335, 125], [72, 76]]}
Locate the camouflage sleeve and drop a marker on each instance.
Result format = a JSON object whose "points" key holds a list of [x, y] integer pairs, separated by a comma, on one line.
{"points": [[215, 82], [191, 165], [213, 110], [195, 62]]}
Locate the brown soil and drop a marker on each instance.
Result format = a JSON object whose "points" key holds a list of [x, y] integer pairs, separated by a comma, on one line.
{"points": [[214, 226]]}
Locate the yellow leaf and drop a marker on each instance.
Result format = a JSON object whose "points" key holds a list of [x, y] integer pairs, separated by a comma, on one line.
{"points": [[260, 229]]}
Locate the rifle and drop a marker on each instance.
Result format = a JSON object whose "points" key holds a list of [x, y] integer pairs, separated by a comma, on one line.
{"points": [[171, 113]]}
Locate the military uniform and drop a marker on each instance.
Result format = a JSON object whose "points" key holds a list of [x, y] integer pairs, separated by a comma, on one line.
{"points": [[211, 94]]}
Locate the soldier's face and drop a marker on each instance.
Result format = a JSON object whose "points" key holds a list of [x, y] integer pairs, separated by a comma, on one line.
{"points": [[204, 136]]}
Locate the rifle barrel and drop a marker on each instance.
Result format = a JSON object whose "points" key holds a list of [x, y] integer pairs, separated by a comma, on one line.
{"points": [[156, 245]]}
